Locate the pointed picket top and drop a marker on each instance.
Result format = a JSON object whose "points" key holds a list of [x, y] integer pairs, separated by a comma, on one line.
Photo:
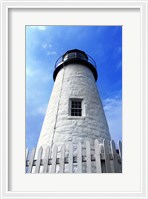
{"points": [[79, 157], [46, 158], [31, 160], [113, 148], [27, 153], [105, 158], [97, 156], [53, 166], [70, 158], [62, 158]]}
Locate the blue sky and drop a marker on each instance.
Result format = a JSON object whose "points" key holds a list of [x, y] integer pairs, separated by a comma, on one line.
{"points": [[45, 44]]}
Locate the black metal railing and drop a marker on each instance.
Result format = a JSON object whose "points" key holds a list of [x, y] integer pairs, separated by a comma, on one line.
{"points": [[73, 56]]}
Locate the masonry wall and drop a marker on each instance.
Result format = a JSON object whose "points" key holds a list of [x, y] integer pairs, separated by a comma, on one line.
{"points": [[74, 81]]}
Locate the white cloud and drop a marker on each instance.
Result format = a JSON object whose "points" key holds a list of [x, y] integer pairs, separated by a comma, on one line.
{"points": [[41, 110], [47, 46], [112, 105], [32, 72], [51, 53], [113, 111], [29, 72], [44, 45], [42, 28]]}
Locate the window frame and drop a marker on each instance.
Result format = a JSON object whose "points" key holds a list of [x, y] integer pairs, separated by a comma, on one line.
{"points": [[70, 107]]}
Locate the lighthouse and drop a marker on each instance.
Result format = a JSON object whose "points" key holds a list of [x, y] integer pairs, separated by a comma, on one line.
{"points": [[75, 112]]}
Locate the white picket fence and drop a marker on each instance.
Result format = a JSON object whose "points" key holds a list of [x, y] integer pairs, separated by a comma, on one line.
{"points": [[101, 158]]}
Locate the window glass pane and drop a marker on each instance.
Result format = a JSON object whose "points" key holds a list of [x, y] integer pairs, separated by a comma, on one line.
{"points": [[81, 56], [79, 112], [79, 105], [76, 107], [71, 55]]}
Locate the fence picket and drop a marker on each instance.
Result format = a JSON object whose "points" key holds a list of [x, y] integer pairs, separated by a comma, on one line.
{"points": [[97, 157], [62, 158], [120, 154], [88, 157], [107, 158], [79, 157], [70, 158], [114, 154], [53, 166], [45, 163], [27, 153], [38, 162], [31, 159], [120, 149]]}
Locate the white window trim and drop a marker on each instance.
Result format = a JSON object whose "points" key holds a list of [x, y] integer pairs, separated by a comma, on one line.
{"points": [[82, 107]]}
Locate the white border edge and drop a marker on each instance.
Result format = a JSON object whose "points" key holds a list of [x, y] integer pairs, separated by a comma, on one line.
{"points": [[6, 80]]}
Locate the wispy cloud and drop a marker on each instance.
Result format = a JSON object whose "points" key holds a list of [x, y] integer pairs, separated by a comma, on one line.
{"points": [[44, 45], [112, 105], [41, 110], [119, 65], [117, 55], [37, 110], [47, 46], [41, 28], [37, 82], [30, 72], [113, 111], [50, 45], [36, 74], [51, 53]]}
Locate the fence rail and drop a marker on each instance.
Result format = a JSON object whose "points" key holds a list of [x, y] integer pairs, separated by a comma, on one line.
{"points": [[100, 158]]}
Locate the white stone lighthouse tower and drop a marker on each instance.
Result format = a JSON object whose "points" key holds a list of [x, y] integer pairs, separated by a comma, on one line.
{"points": [[75, 112]]}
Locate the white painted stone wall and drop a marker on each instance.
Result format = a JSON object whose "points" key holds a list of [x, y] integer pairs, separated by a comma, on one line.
{"points": [[74, 81]]}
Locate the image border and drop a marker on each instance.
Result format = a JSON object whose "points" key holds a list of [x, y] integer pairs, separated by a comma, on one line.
{"points": [[5, 6]]}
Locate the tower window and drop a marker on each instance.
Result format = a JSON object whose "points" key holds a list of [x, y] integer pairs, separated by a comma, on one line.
{"points": [[76, 107]]}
